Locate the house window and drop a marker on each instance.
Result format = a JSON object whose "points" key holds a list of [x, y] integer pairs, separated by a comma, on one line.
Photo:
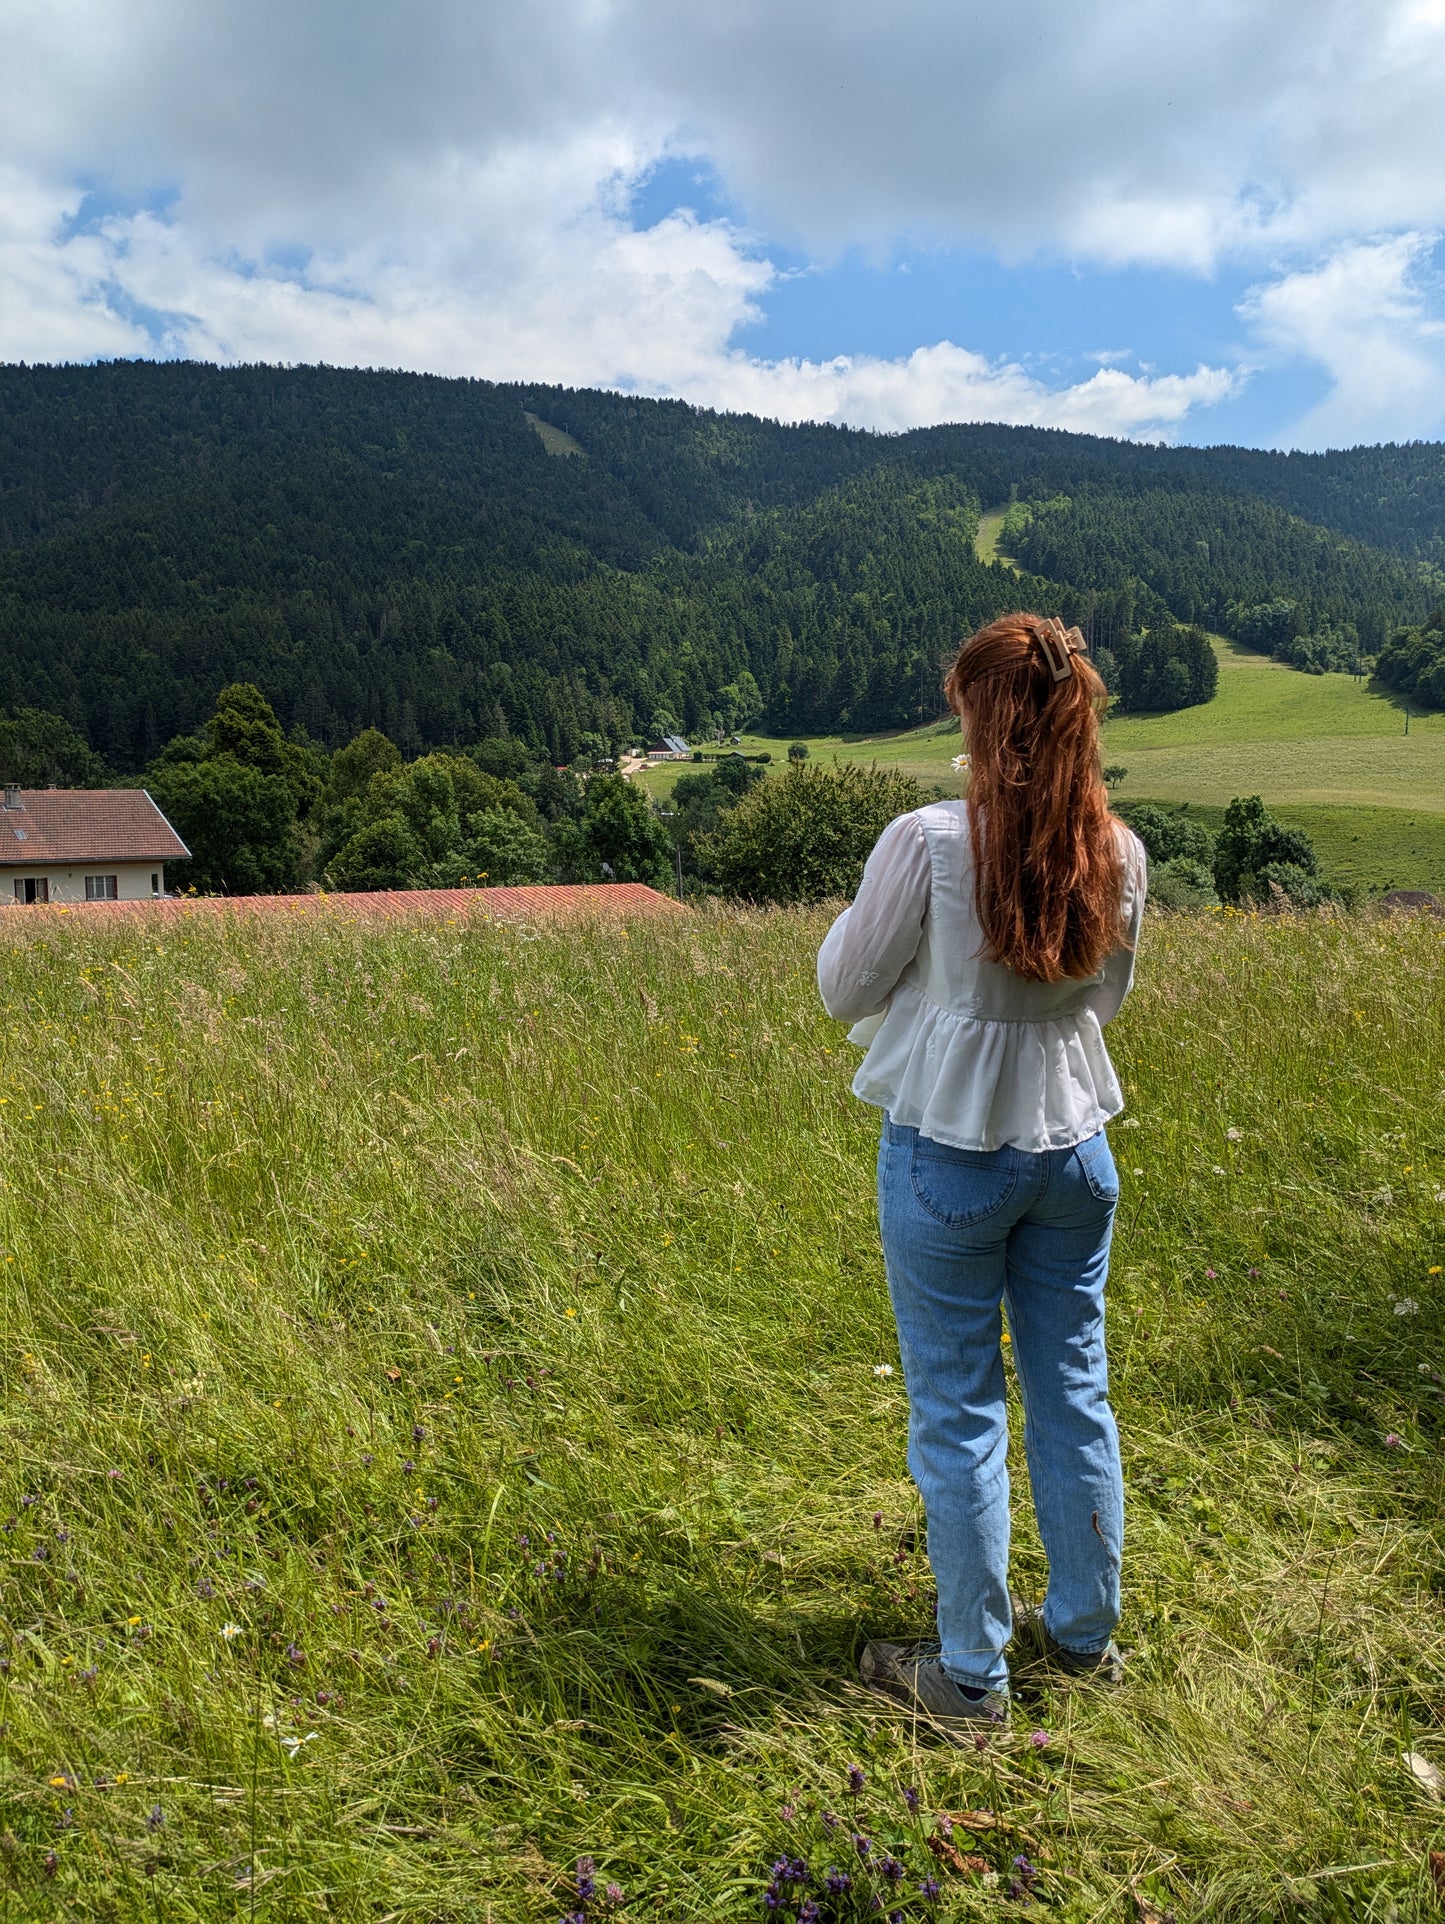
{"points": [[155, 883], [34, 888], [102, 888]]}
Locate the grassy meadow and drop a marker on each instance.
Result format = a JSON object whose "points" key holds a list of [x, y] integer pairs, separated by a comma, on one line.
{"points": [[1328, 754], [444, 1435]]}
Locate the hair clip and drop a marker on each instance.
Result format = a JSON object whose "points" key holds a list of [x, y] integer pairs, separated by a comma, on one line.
{"points": [[1053, 635]]}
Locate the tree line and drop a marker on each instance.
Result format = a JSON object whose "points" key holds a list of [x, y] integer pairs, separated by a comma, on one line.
{"points": [[401, 552]]}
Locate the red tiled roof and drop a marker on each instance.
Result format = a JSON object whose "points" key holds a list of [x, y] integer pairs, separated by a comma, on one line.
{"points": [[69, 826], [603, 901]]}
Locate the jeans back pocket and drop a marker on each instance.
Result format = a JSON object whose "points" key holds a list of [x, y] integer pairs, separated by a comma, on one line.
{"points": [[961, 1186], [1097, 1162]]}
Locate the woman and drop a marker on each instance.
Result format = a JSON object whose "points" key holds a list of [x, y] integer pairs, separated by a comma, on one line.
{"points": [[990, 941]]}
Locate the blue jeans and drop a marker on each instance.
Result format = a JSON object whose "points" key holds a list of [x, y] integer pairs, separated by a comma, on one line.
{"points": [[965, 1230]]}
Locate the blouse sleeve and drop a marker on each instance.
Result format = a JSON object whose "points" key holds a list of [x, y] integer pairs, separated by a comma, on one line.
{"points": [[1108, 998], [872, 943]]}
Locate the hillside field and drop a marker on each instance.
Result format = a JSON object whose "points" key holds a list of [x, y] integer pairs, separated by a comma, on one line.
{"points": [[444, 1434], [1327, 753]]}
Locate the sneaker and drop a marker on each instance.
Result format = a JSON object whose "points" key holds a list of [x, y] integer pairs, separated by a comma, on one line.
{"points": [[913, 1674], [1038, 1645]]}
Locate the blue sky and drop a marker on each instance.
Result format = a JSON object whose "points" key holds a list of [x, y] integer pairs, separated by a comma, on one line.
{"points": [[1220, 223]]}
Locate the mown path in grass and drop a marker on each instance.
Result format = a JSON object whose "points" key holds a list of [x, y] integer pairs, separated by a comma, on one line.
{"points": [[444, 1433]]}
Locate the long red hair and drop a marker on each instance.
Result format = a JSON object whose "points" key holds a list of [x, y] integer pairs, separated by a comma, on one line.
{"points": [[1047, 863]]}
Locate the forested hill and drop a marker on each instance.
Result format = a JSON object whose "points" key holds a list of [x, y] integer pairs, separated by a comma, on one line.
{"points": [[448, 559]]}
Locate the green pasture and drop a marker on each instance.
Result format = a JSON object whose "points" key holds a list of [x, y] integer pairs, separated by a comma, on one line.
{"points": [[444, 1434], [1326, 752], [985, 542]]}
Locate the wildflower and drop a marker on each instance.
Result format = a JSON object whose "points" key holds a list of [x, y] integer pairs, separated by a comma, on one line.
{"points": [[1252, 1272], [830, 1822], [614, 1893], [1435, 1268], [229, 1630], [586, 1880], [809, 1913], [1039, 1739], [929, 1889], [882, 1369], [910, 1797], [1210, 1275], [856, 1779], [837, 1883], [1217, 1171], [66, 1819], [1393, 1442], [877, 1519], [1234, 1135], [295, 1654], [292, 1745], [156, 1819], [788, 1813], [1406, 1306], [205, 1588], [892, 1869], [863, 1845], [62, 1780]]}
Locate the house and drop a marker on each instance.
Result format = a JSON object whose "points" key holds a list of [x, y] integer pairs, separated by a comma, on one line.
{"points": [[673, 749], [83, 845]]}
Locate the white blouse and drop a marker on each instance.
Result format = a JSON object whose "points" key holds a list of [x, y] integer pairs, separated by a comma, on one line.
{"points": [[958, 1047]]}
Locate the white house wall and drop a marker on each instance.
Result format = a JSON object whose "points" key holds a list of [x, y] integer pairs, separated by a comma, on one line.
{"points": [[133, 881]]}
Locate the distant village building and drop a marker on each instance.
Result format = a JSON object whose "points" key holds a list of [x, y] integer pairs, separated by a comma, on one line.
{"points": [[83, 845], [672, 749]]}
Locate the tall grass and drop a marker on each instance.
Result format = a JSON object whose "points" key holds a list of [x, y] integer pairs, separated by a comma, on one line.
{"points": [[442, 1436]]}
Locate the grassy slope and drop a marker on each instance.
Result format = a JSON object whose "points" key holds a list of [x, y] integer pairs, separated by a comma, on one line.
{"points": [[1324, 752], [985, 543], [309, 1229]]}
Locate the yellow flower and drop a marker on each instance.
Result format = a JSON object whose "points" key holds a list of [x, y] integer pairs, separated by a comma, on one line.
{"points": [[571, 1312], [132, 1620]]}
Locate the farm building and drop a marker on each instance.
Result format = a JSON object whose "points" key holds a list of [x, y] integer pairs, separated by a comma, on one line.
{"points": [[672, 748], [83, 845]]}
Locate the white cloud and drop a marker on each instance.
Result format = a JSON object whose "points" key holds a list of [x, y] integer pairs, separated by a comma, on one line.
{"points": [[444, 185], [1362, 316]]}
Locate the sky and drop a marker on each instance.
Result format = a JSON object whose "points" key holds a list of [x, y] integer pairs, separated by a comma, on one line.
{"points": [[1219, 221]]}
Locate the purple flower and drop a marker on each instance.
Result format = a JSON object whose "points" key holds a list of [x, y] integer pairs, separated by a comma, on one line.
{"points": [[1039, 1738], [788, 1813], [614, 1893], [809, 1912], [586, 1880], [830, 1822], [1393, 1442], [877, 1519], [910, 1797], [205, 1588], [837, 1882], [156, 1820], [929, 1889], [892, 1869], [1210, 1274], [295, 1654], [862, 1844], [1253, 1272], [856, 1780]]}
